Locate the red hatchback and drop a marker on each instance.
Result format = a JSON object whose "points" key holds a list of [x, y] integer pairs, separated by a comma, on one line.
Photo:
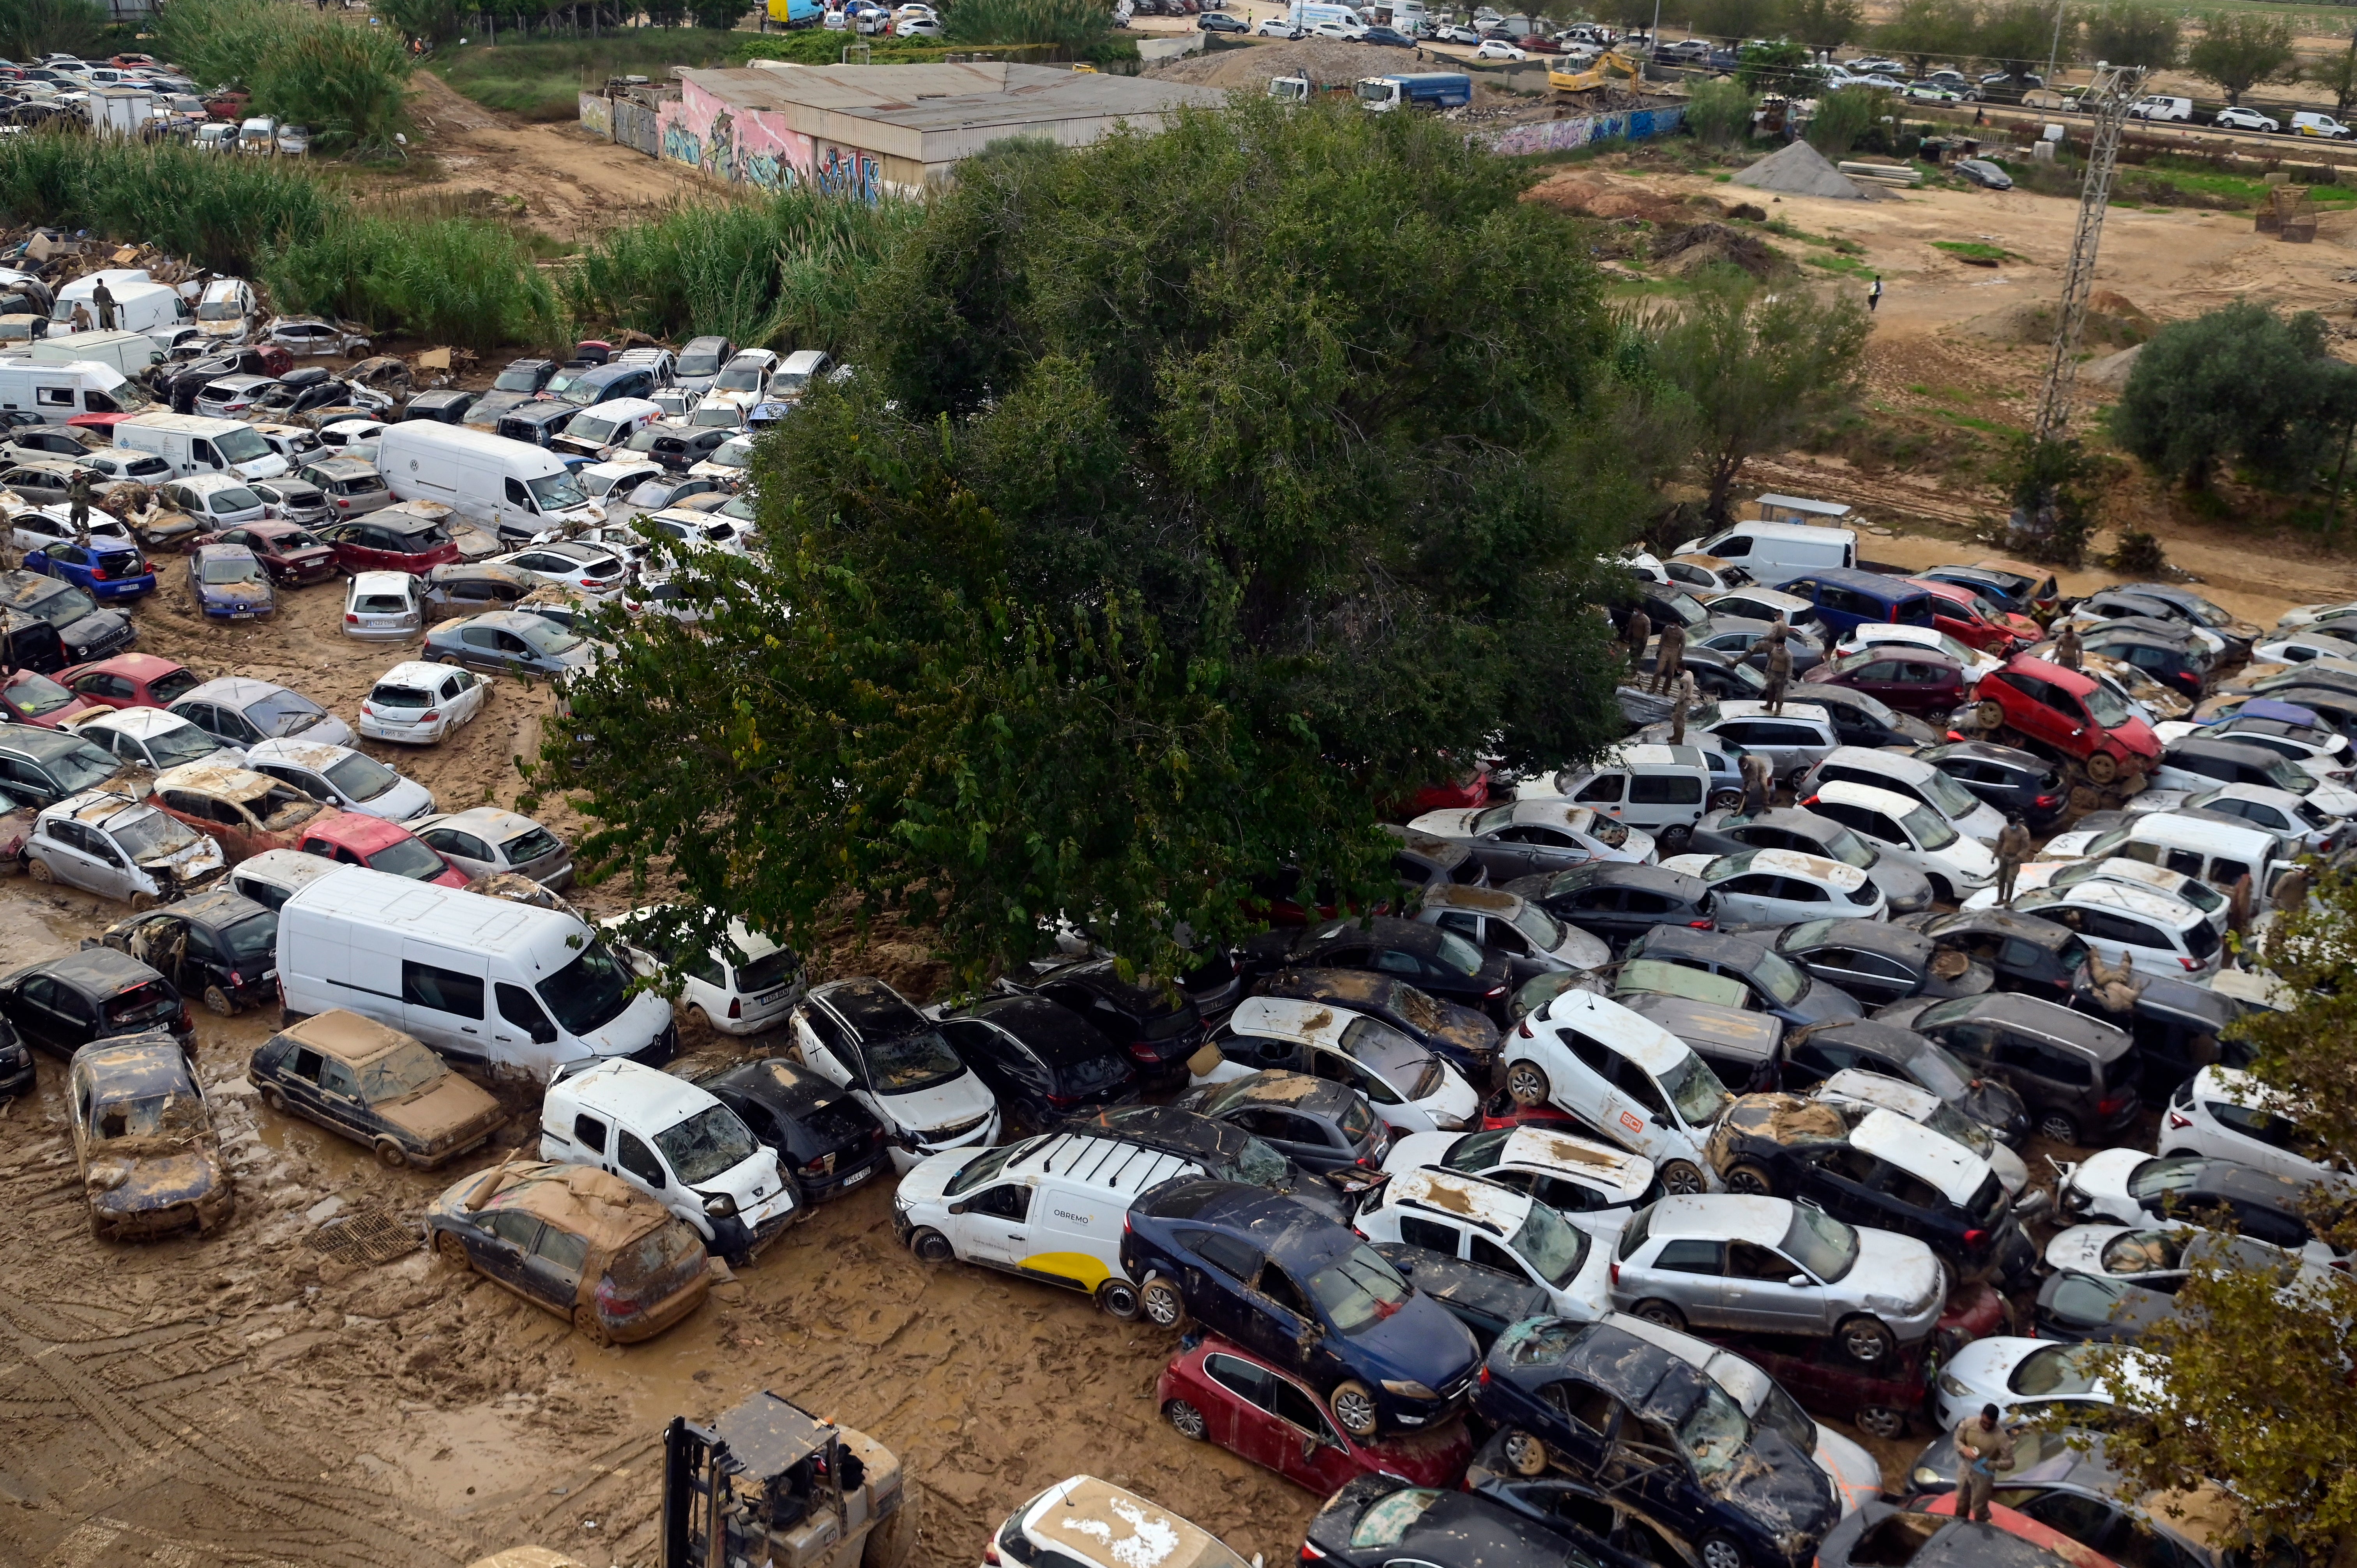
{"points": [[350, 838], [390, 539], [1974, 621], [29, 699], [2060, 713], [130, 681], [1919, 680], [1213, 1393]]}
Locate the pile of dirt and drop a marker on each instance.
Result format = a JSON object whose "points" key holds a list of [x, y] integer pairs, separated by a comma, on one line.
{"points": [[1797, 168], [1588, 195], [1709, 244], [1327, 63], [2111, 321], [2122, 310]]}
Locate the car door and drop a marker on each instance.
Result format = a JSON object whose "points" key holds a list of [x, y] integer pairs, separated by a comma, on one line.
{"points": [[1277, 1321], [1310, 1453], [1585, 1088], [1877, 977], [1215, 1282], [1842, 1180], [54, 1014], [1752, 898], [502, 1244], [1757, 1292], [1538, 847], [1239, 1415], [461, 696], [341, 1104], [469, 853], [995, 1225], [1301, 1139], [1690, 1273], [552, 1269], [824, 1048], [63, 847], [480, 647]]}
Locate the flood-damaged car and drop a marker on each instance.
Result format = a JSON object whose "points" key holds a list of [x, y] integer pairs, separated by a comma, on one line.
{"points": [[375, 1085], [119, 847], [1462, 1036], [1213, 1392], [246, 813], [218, 946], [1740, 1489], [63, 1003], [580, 1241], [144, 1138], [1084, 1522]]}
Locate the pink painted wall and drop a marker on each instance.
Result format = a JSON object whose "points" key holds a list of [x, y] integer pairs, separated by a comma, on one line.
{"points": [[754, 148]]}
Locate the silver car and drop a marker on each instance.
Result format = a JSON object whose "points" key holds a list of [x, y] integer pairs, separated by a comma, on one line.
{"points": [[483, 841], [1766, 1265]]}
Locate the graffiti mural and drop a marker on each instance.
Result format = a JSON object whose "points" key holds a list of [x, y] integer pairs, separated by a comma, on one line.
{"points": [[597, 115], [742, 146], [846, 171], [681, 145], [1560, 135]]}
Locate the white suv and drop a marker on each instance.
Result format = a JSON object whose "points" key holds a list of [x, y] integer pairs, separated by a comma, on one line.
{"points": [[1911, 833], [1496, 1227], [1912, 777], [1628, 1077], [2228, 1114], [2163, 935]]}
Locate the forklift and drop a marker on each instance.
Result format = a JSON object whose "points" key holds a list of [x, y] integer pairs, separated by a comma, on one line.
{"points": [[769, 1485]]}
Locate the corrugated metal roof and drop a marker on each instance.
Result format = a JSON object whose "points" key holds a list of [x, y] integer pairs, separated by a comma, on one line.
{"points": [[947, 97]]}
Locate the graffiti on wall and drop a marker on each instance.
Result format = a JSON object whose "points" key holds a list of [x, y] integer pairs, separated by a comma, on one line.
{"points": [[747, 147], [597, 115], [1561, 135], [846, 171]]}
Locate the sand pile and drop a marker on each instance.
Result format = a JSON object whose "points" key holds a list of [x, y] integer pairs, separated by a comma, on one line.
{"points": [[1588, 195], [1799, 169], [1707, 244], [1325, 61]]}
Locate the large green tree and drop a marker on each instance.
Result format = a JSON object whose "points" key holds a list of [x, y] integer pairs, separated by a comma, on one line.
{"points": [[2017, 36], [1921, 31], [1823, 24], [2240, 49], [2241, 387], [2129, 32], [1194, 494]]}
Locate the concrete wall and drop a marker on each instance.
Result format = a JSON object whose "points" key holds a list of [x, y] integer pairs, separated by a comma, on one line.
{"points": [[598, 114], [1561, 135], [751, 149]]}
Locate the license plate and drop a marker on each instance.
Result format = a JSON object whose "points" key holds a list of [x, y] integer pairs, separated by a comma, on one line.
{"points": [[241, 615], [854, 1180]]}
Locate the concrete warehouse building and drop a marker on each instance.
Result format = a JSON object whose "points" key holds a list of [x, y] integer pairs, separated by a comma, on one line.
{"points": [[865, 129]]}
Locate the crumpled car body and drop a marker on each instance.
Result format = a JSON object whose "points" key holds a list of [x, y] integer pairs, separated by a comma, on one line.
{"points": [[144, 1138]]}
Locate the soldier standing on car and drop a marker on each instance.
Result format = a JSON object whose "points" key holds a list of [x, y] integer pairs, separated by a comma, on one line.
{"points": [[78, 504], [1780, 666], [1680, 707], [1635, 632], [2066, 647], [1670, 658], [2013, 847]]}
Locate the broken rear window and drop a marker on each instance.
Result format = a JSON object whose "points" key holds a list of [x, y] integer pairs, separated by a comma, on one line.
{"points": [[143, 1003]]}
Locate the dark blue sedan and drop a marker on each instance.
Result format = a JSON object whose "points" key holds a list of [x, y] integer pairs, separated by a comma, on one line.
{"points": [[108, 568], [229, 583], [1284, 1281]]}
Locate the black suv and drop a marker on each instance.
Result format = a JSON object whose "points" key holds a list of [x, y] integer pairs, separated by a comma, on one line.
{"points": [[519, 383], [85, 632], [1158, 1027]]}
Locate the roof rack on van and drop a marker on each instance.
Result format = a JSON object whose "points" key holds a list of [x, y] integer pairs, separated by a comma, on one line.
{"points": [[1104, 1162], [1803, 509]]}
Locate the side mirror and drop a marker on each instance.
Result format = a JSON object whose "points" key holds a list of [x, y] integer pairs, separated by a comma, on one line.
{"points": [[543, 1033], [1799, 1282], [957, 1209]]}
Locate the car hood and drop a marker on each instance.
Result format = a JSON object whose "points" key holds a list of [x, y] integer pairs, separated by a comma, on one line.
{"points": [[95, 627], [1454, 1098], [444, 1113], [930, 1177], [1825, 1004], [2080, 1250], [758, 1183], [1467, 1029], [1896, 1275], [1423, 1342], [252, 595], [128, 1184], [1781, 1489], [1985, 1366], [1580, 951], [2138, 736], [1995, 1106], [962, 1099], [2012, 1171], [1855, 1474], [2103, 1178], [631, 1028], [1984, 822], [1970, 856], [404, 802], [189, 863]]}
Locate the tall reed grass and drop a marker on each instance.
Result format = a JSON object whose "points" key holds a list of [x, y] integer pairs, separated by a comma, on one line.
{"points": [[217, 210], [346, 83], [467, 280]]}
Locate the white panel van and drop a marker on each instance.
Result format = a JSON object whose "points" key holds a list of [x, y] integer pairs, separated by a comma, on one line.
{"points": [[197, 447], [140, 304], [512, 487], [1776, 553], [58, 393], [518, 990], [129, 352]]}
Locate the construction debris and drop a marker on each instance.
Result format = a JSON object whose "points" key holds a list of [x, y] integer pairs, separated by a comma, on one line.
{"points": [[1799, 169]]}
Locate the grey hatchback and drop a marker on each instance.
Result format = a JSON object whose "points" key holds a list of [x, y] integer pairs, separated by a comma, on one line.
{"points": [[509, 642], [2077, 1074]]}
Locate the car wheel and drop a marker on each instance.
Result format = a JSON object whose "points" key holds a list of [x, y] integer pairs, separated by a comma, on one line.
{"points": [[389, 1154], [1164, 1307], [1186, 1420], [1720, 1550], [1655, 1310], [1882, 1421], [38, 870], [592, 1326], [1941, 893], [1525, 1452], [931, 1246], [1725, 799], [1354, 1408], [2058, 1127], [1119, 1299], [1866, 1341], [1989, 716], [217, 1002], [1526, 1082], [273, 1099], [2103, 768], [143, 902], [1750, 1180], [1672, 838], [1682, 1178], [451, 1251]]}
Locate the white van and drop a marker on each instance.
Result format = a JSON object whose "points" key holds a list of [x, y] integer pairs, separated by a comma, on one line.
{"points": [[602, 426], [514, 487], [2324, 125], [140, 304], [667, 1137], [129, 352], [1663, 789], [58, 393], [517, 989], [1051, 1207], [2218, 854], [2160, 106], [1776, 553], [194, 446], [225, 311]]}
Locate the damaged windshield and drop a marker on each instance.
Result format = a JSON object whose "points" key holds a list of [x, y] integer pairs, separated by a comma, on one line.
{"points": [[400, 1072], [588, 994], [706, 1145], [1714, 1434], [911, 1062], [147, 1116], [1358, 1290], [149, 834]]}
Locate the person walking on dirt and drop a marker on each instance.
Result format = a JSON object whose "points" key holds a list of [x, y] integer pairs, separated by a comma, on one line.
{"points": [[1874, 295], [102, 299], [1671, 658], [1635, 632], [2066, 647], [2013, 847], [1984, 1447], [1780, 667], [78, 504]]}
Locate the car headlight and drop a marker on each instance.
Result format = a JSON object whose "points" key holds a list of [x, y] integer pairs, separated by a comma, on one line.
{"points": [[905, 1205], [1408, 1389], [1451, 1123], [720, 1206], [1952, 1384]]}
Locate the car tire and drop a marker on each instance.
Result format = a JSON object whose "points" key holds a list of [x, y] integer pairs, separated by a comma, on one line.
{"points": [[450, 1252], [894, 1537], [1866, 1341], [1163, 1307], [1989, 716], [1353, 1405], [1941, 893], [1720, 1550], [1673, 839], [1653, 1309], [1682, 1178], [273, 1099], [1526, 1083], [931, 1246], [1525, 1452], [38, 870], [2058, 1127], [217, 1002], [391, 1156], [592, 1327], [143, 902], [1750, 1179], [2103, 769], [1886, 1422], [1186, 1420], [1725, 799], [1118, 1297]]}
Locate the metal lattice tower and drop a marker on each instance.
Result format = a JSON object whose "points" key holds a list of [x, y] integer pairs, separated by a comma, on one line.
{"points": [[2114, 89]]}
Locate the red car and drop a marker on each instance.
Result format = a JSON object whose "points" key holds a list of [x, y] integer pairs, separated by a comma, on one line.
{"points": [[29, 699], [104, 424], [290, 552], [1974, 621], [1882, 1401], [390, 539], [350, 838], [229, 105], [1538, 44], [1213, 1393], [1468, 792], [2063, 714], [131, 681], [1919, 680]]}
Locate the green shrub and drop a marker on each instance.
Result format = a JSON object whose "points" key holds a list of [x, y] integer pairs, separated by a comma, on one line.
{"points": [[2241, 387], [217, 211], [1073, 25], [1843, 117], [1719, 113], [31, 29], [543, 80], [817, 45], [454, 280], [346, 83]]}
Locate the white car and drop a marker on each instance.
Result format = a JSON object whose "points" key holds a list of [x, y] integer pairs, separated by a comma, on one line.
{"points": [[41, 527], [1778, 886], [2303, 648], [2128, 1186], [1451, 33], [486, 841], [1496, 1227], [1910, 832], [1855, 1086], [862, 1036], [2323, 752], [117, 847], [2296, 819], [1933, 92], [2026, 1378], [2163, 935], [701, 530], [1511, 925], [1624, 1076], [917, 27], [1412, 1089], [1790, 742], [1592, 1185], [2041, 874], [2163, 1258], [417, 703], [384, 607], [2237, 118], [2227, 1115], [730, 463], [1873, 634], [589, 570], [607, 483], [340, 434], [2309, 614], [152, 739], [742, 987], [1903, 775], [338, 776], [1495, 49], [1276, 28]]}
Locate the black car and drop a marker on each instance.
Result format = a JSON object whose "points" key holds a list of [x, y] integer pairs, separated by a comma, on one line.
{"points": [[2077, 1076], [299, 392], [45, 765], [1319, 1127], [63, 1003], [2175, 661], [537, 423], [1777, 986], [33, 643], [1615, 901], [1434, 961], [830, 1142], [2038, 957], [1225, 1150], [1284, 1283], [519, 383], [1380, 1520], [15, 1064], [445, 405], [1465, 1037], [85, 632], [1904, 889], [1716, 675], [2178, 1028], [1590, 1509], [1391, 35], [1423, 861], [1594, 1400], [1158, 1026], [1485, 1300], [1877, 962], [220, 946], [2089, 1309], [2236, 762], [1863, 1166], [1043, 1060], [1812, 1056], [676, 449], [2010, 780], [1861, 719], [1887, 1535]]}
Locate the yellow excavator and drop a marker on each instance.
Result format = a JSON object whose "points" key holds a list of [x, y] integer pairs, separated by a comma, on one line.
{"points": [[1610, 69]]}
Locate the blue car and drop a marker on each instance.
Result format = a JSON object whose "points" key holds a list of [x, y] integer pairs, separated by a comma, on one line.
{"points": [[1286, 1283], [229, 583], [1596, 1400], [107, 568]]}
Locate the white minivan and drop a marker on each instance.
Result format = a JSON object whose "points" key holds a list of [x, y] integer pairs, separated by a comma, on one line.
{"points": [[512, 487], [194, 445], [129, 352], [518, 990], [55, 394], [1776, 553]]}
